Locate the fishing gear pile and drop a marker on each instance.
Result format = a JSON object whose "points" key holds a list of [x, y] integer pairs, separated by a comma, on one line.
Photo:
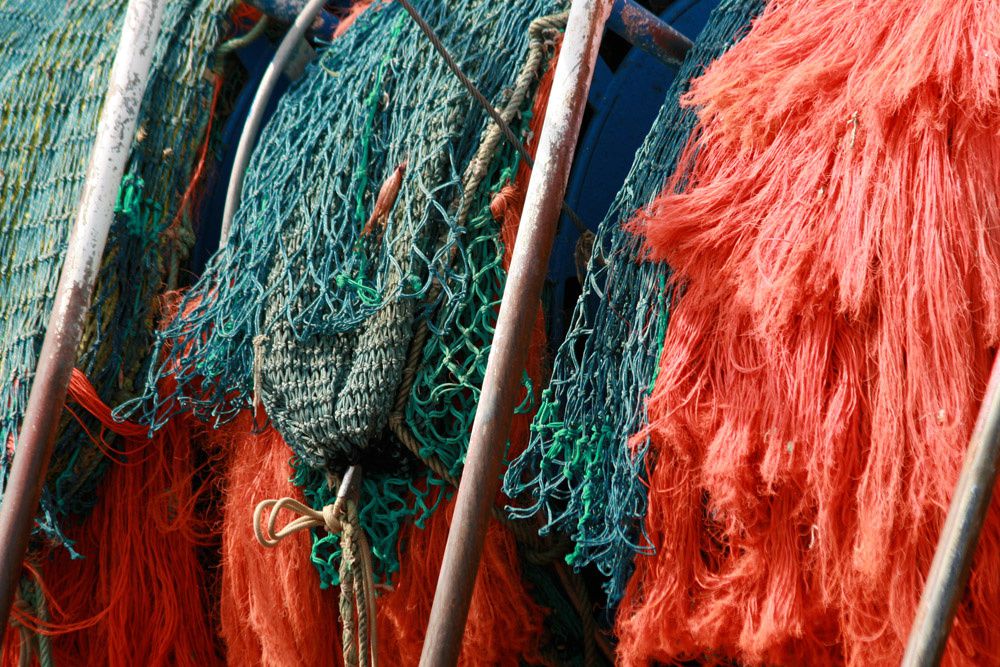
{"points": [[308, 312], [833, 228], [56, 63], [578, 471], [366, 216]]}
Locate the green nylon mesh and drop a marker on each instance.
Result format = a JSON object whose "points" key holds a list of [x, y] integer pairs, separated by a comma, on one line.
{"points": [[55, 60], [439, 412], [578, 472], [316, 319]]}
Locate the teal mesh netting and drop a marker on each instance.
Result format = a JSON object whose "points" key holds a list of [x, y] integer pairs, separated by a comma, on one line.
{"points": [[579, 474], [311, 309], [55, 59]]}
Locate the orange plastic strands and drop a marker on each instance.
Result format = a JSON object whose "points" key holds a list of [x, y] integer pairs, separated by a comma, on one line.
{"points": [[348, 18], [272, 611], [836, 238], [140, 568], [505, 624]]}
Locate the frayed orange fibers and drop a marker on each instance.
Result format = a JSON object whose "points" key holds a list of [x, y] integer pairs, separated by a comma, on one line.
{"points": [[139, 595], [835, 234], [272, 611]]}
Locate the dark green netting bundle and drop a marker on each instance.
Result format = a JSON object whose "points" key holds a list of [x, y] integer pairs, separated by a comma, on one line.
{"points": [[579, 473], [435, 403], [55, 59], [297, 271], [312, 304]]}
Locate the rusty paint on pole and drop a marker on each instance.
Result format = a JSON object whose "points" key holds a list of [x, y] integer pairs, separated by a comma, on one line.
{"points": [[508, 353], [108, 157], [644, 29], [956, 547]]}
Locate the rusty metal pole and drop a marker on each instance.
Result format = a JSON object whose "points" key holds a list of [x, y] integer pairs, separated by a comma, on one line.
{"points": [[108, 157], [644, 29], [508, 352], [949, 571]]}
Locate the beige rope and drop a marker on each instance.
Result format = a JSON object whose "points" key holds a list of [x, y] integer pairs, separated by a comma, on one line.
{"points": [[307, 520], [357, 570]]}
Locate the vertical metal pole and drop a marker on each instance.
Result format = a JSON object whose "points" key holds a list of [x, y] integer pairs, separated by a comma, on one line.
{"points": [[491, 428], [108, 157], [949, 571]]}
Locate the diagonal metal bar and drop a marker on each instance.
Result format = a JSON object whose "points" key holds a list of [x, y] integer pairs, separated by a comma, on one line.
{"points": [[491, 428], [108, 157], [956, 547], [644, 29]]}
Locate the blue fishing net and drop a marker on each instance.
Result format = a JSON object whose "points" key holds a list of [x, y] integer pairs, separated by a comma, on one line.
{"points": [[579, 473]]}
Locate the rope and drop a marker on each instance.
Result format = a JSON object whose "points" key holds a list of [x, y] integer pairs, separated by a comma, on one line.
{"points": [[32, 644], [535, 30], [239, 42], [357, 572]]}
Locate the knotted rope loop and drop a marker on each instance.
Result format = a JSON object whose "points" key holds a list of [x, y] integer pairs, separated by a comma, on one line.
{"points": [[307, 519], [357, 569]]}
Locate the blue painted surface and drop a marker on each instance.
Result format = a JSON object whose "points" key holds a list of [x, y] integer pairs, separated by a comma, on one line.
{"points": [[624, 104], [255, 58]]}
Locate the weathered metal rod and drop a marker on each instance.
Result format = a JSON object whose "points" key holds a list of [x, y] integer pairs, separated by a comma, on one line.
{"points": [[543, 201], [956, 547], [644, 29], [108, 157], [290, 44]]}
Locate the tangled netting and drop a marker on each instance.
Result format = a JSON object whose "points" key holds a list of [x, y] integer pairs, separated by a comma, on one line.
{"points": [[365, 210], [53, 75], [298, 280], [436, 401], [578, 472]]}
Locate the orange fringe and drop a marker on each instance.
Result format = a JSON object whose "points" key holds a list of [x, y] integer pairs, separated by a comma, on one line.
{"points": [[836, 240], [272, 611], [139, 595], [504, 626]]}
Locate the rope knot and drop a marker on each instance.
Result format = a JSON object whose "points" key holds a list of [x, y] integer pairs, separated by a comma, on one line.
{"points": [[269, 535]]}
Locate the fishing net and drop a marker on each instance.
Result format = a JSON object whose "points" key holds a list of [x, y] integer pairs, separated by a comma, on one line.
{"points": [[56, 63], [578, 472], [311, 306]]}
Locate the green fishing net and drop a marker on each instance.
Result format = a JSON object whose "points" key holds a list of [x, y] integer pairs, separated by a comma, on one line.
{"points": [[439, 392], [310, 310], [55, 59], [579, 473]]}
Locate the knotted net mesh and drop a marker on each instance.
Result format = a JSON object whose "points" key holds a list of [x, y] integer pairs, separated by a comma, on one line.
{"points": [[54, 70], [579, 473]]}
